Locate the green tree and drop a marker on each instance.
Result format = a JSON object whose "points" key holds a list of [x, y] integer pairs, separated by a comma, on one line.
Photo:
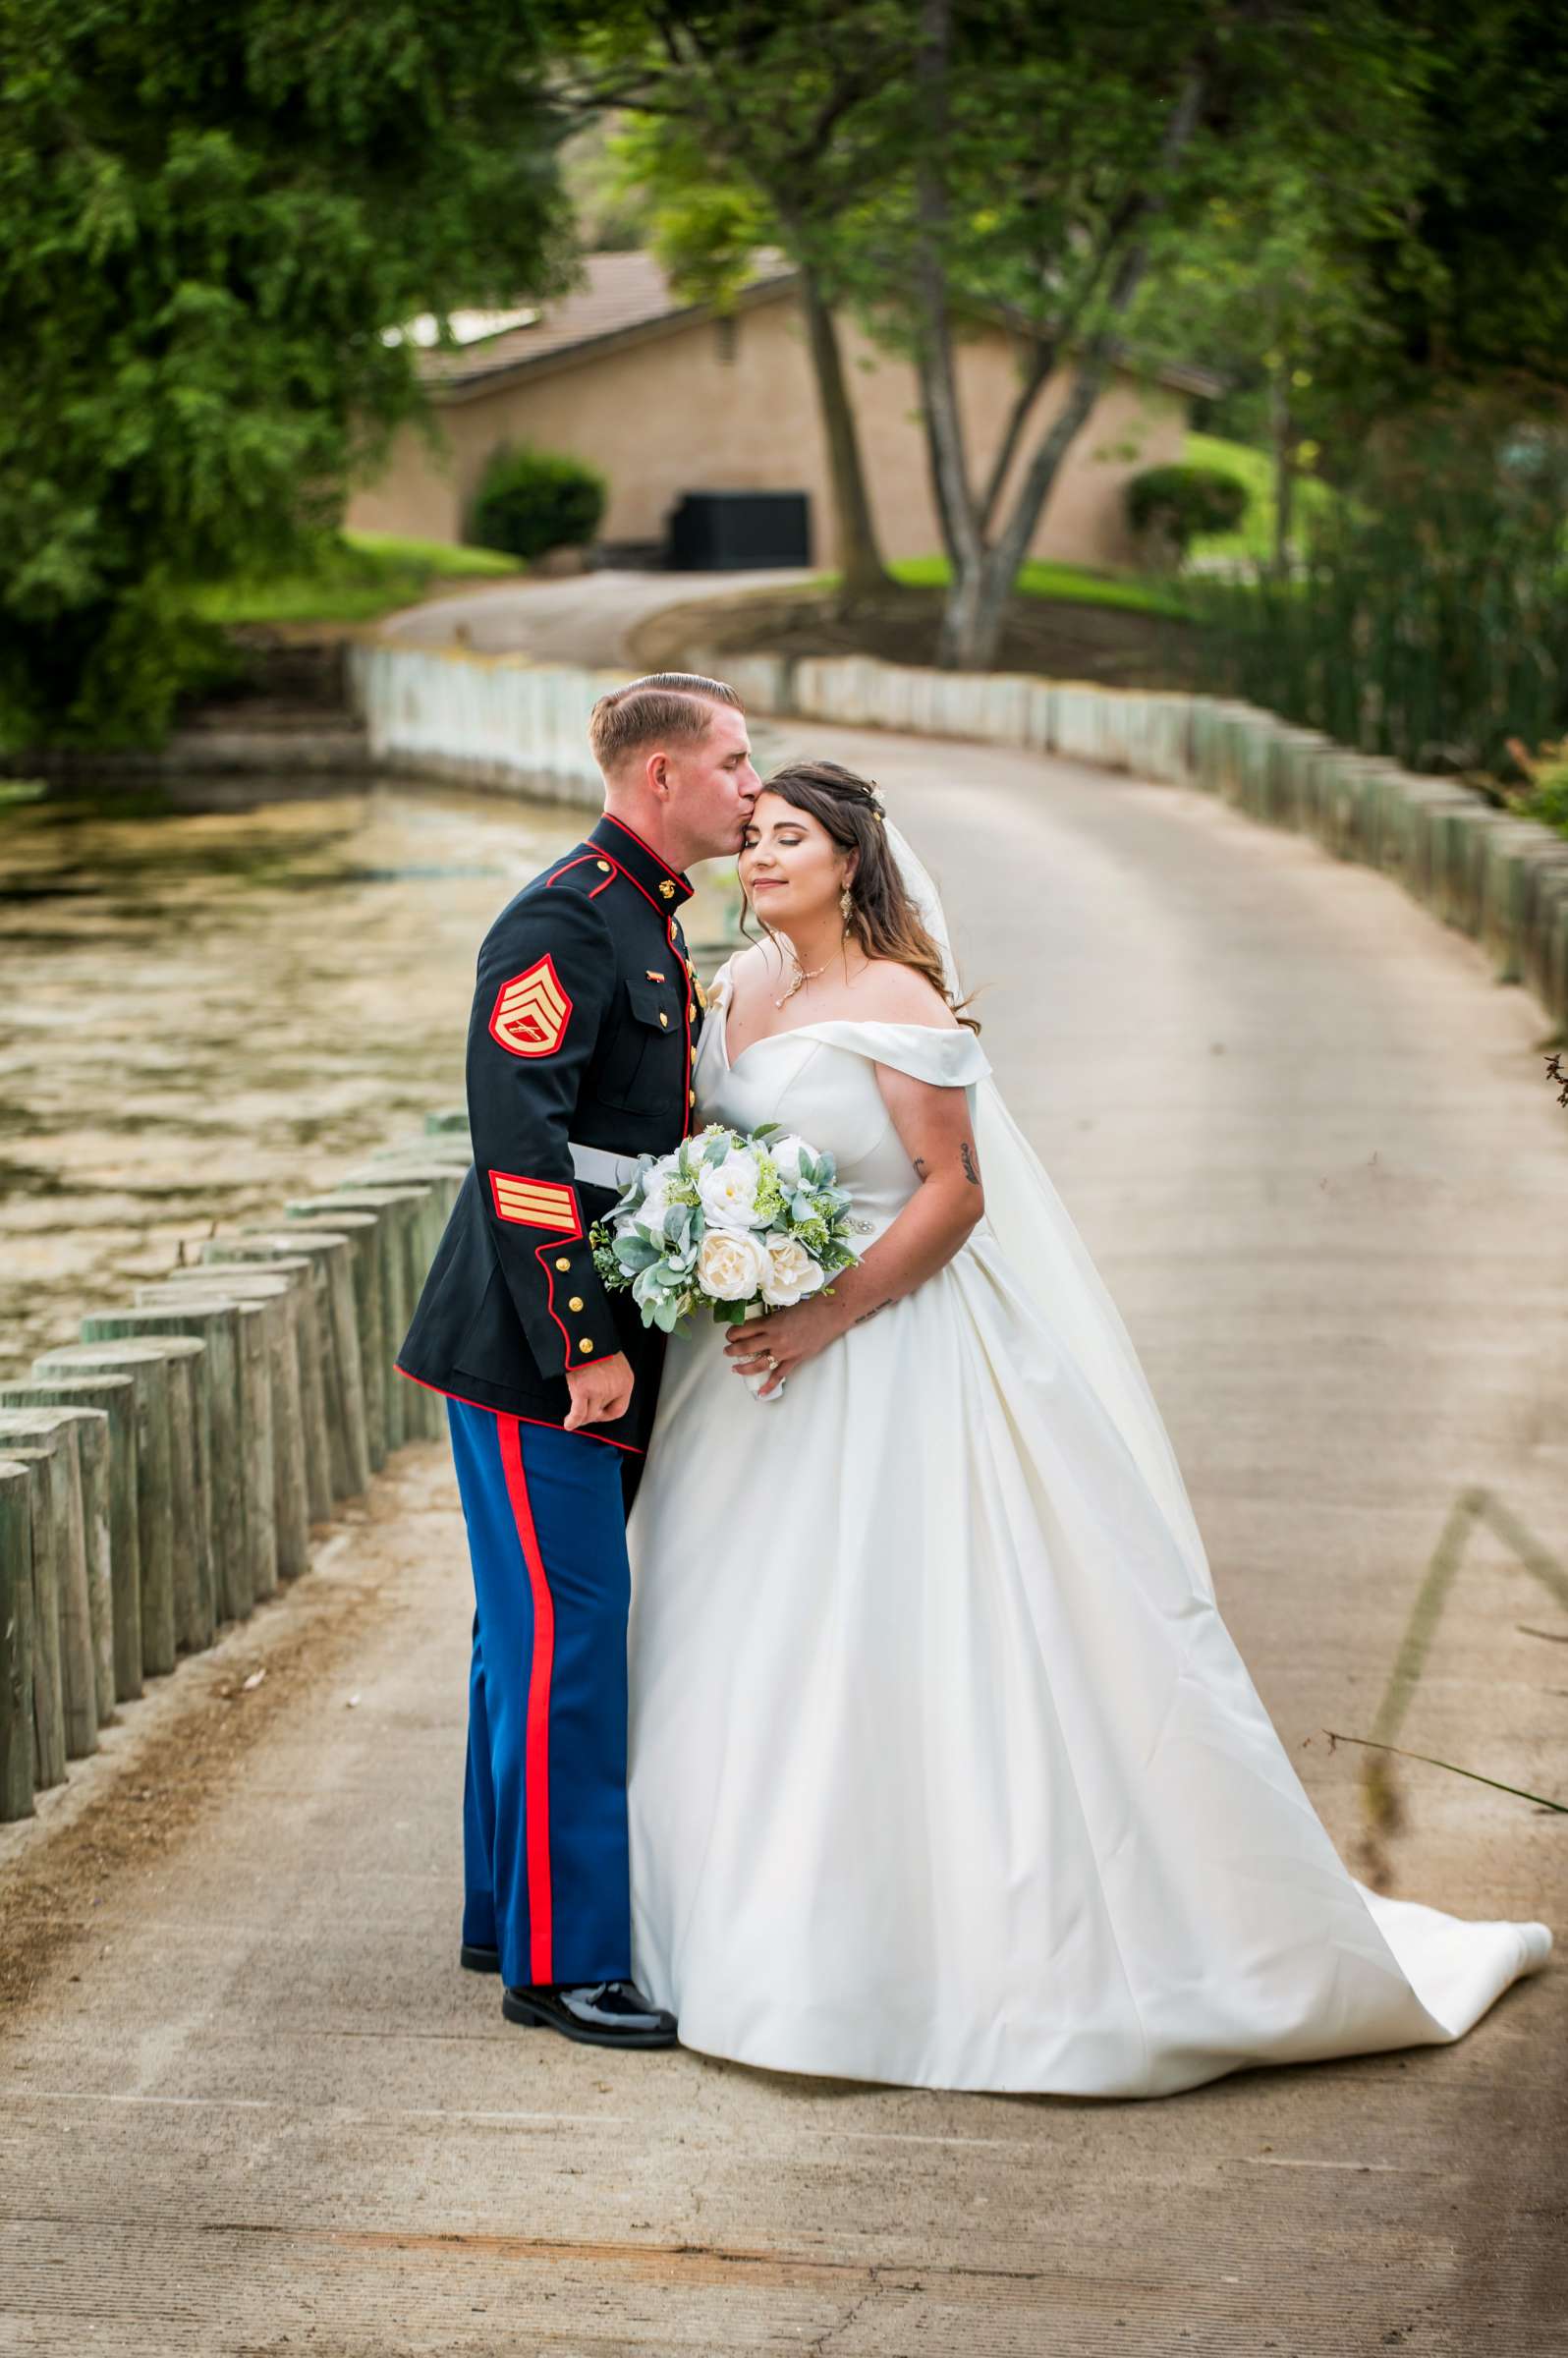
{"points": [[763, 121], [1266, 280], [208, 220], [1059, 153]]}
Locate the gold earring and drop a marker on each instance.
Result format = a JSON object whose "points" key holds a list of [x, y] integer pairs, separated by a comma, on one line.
{"points": [[846, 904]]}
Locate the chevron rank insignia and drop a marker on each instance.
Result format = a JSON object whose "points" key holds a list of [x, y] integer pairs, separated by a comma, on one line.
{"points": [[534, 1203], [532, 1012]]}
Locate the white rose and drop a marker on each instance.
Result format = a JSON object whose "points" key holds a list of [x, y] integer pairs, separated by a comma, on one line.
{"points": [[730, 1265], [649, 1213], [728, 1190], [792, 1273], [786, 1154]]}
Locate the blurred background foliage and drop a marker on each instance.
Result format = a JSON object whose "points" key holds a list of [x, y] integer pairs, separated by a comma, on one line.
{"points": [[1357, 213], [206, 221]]}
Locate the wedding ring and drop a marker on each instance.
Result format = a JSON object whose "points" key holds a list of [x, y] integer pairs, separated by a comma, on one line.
{"points": [[773, 1363]]}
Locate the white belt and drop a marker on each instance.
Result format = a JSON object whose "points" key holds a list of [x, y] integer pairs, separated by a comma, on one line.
{"points": [[596, 1166]]}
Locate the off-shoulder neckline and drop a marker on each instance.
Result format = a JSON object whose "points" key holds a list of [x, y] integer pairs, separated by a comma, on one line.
{"points": [[720, 996]]}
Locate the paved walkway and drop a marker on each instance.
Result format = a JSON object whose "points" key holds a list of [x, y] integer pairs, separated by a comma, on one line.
{"points": [[585, 619], [252, 2105]]}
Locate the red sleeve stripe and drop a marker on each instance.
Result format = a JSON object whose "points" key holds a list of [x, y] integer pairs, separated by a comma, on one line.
{"points": [[534, 1203]]}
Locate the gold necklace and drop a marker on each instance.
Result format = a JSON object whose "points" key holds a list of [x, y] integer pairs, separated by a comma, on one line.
{"points": [[802, 974]]}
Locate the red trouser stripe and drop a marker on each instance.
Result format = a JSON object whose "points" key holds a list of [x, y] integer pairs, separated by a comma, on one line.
{"points": [[536, 1753]]}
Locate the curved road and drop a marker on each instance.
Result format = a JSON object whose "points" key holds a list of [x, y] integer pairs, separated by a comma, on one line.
{"points": [[586, 618], [1312, 1149]]}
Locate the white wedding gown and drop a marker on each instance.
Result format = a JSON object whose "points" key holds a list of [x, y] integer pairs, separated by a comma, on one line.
{"points": [[944, 1769]]}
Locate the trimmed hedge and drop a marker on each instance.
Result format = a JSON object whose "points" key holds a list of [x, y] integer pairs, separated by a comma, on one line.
{"points": [[530, 501], [1179, 502]]}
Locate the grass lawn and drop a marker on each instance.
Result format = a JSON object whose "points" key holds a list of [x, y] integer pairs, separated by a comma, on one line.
{"points": [[1072, 585], [1255, 537], [357, 577]]}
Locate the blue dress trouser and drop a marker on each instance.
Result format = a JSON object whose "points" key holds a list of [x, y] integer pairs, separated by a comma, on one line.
{"points": [[546, 1871]]}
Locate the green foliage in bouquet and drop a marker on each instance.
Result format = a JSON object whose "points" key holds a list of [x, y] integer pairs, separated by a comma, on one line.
{"points": [[651, 1245]]}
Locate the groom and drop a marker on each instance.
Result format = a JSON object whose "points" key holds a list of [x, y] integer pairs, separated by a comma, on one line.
{"points": [[581, 1043]]}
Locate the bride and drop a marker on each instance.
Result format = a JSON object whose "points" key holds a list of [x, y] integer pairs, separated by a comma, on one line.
{"points": [[945, 1770]]}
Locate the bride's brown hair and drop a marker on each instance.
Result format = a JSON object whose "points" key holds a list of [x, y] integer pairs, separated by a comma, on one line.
{"points": [[883, 917]]}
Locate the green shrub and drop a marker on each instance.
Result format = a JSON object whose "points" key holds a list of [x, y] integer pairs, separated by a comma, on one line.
{"points": [[530, 501], [1175, 504], [1427, 620]]}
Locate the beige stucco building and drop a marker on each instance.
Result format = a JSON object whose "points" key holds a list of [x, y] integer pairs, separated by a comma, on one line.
{"points": [[665, 398]]}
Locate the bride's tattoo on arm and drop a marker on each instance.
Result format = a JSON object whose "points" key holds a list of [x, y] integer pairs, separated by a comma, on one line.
{"points": [[966, 1155], [871, 1313], [920, 1164]]}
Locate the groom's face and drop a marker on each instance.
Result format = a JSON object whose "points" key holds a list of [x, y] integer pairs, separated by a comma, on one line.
{"points": [[712, 786]]}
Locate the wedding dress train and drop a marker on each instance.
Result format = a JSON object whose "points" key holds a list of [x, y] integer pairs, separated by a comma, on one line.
{"points": [[945, 1770]]}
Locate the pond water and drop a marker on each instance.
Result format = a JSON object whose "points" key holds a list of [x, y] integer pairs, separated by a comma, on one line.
{"points": [[214, 998]]}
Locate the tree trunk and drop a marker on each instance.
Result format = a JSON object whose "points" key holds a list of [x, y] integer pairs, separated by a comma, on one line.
{"points": [[951, 490], [1282, 437], [973, 624], [864, 574]]}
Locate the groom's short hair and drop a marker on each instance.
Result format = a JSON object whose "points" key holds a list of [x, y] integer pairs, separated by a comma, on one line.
{"points": [[667, 707]]}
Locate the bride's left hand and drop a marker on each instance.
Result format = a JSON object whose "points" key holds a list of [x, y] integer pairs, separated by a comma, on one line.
{"points": [[789, 1337]]}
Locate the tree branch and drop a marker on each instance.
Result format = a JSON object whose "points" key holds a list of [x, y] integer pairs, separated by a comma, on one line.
{"points": [[944, 431], [1008, 554]]}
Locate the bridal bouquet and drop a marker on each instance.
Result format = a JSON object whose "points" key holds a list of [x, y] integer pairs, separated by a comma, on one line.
{"points": [[729, 1223]]}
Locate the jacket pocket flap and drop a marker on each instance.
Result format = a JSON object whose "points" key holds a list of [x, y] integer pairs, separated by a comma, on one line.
{"points": [[652, 1003]]}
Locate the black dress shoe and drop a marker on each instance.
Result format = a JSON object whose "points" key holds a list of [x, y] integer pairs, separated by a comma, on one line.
{"points": [[475, 1959], [599, 2013]]}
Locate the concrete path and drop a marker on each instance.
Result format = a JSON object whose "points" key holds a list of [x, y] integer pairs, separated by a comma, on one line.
{"points": [[585, 619], [251, 2104]]}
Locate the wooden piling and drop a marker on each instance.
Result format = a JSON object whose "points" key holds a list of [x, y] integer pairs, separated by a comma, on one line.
{"points": [[363, 1231], [173, 1309], [16, 1639], [49, 1515], [95, 1466], [26, 1433], [286, 1293], [331, 1260], [435, 1185], [146, 1371], [167, 1477], [398, 1211]]}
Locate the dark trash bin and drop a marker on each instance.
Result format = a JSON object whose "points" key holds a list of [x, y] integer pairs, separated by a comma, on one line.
{"points": [[723, 531]]}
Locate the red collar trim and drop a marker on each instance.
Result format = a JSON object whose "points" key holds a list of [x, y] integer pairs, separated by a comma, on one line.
{"points": [[608, 819]]}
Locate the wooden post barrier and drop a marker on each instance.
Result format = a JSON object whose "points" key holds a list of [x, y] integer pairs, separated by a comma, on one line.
{"points": [[144, 1365], [120, 1677], [169, 1480], [16, 1639], [174, 1310], [361, 1231], [42, 1434], [433, 1186], [331, 1273], [302, 1362], [287, 1298], [92, 1429], [383, 1261], [397, 1209], [49, 1517]]}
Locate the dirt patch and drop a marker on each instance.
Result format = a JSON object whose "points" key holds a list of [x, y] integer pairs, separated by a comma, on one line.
{"points": [[171, 1757], [1059, 640]]}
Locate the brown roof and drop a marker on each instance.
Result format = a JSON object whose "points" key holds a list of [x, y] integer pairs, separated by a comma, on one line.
{"points": [[627, 296], [620, 293]]}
